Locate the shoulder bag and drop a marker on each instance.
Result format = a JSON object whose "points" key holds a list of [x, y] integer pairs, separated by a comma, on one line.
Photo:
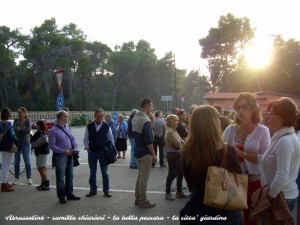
{"points": [[6, 143], [40, 141], [224, 189]]}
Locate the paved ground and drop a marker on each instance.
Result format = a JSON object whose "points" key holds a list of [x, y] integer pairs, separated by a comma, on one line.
{"points": [[26, 201]]}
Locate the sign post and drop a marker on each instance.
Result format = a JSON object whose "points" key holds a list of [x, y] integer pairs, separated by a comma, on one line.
{"points": [[167, 98], [60, 102], [59, 77], [182, 100]]}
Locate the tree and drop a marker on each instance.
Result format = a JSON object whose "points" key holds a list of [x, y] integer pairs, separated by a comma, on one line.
{"points": [[11, 46], [222, 47], [196, 86]]}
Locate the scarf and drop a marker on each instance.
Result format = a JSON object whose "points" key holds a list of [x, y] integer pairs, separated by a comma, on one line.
{"points": [[138, 121]]}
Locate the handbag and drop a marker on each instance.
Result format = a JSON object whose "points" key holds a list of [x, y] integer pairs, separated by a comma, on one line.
{"points": [[40, 141], [6, 143], [13, 148], [224, 189]]}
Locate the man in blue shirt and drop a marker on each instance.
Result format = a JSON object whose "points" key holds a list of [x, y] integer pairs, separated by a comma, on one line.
{"points": [[62, 142], [142, 125]]}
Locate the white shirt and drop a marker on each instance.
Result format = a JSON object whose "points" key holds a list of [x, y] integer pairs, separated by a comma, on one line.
{"points": [[280, 164], [98, 126], [257, 142]]}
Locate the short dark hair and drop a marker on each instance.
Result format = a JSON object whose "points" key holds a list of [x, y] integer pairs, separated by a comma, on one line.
{"points": [[5, 114], [145, 102], [180, 112], [157, 112]]}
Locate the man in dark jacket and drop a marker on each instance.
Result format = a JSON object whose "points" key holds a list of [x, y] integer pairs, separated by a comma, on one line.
{"points": [[96, 135]]}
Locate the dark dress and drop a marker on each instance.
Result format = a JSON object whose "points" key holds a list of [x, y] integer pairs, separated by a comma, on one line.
{"points": [[195, 209]]}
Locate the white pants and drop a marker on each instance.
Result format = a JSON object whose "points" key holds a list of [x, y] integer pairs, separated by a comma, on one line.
{"points": [[7, 158]]}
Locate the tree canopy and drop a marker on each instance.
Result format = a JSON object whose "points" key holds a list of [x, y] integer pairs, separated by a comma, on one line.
{"points": [[117, 79]]}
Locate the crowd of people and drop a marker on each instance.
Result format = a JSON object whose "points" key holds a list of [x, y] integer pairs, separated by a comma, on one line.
{"points": [[266, 149]]}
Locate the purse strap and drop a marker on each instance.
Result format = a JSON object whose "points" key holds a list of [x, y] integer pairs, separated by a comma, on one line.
{"points": [[224, 164]]}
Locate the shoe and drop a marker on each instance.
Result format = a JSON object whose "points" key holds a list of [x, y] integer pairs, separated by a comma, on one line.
{"points": [[146, 204], [136, 202], [45, 186], [180, 195], [90, 194], [73, 197], [123, 158], [133, 167], [6, 188], [29, 181], [163, 166], [153, 164], [62, 201], [9, 185], [16, 181], [169, 197], [119, 157], [107, 194]]}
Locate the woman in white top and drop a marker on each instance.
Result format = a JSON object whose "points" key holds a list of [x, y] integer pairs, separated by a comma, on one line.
{"points": [[250, 140], [280, 163]]}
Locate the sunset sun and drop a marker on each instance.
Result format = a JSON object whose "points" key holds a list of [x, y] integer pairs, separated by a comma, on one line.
{"points": [[258, 52]]}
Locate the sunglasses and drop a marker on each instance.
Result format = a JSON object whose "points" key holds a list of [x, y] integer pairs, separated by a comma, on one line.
{"points": [[242, 107]]}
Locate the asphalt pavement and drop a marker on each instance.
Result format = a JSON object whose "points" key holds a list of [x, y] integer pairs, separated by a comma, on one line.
{"points": [[26, 205]]}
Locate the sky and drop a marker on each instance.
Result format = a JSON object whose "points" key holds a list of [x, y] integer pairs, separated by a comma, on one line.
{"points": [[168, 25]]}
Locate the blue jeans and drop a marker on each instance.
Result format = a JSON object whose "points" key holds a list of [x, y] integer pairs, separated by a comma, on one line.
{"points": [[64, 175], [25, 149], [93, 158], [133, 161]]}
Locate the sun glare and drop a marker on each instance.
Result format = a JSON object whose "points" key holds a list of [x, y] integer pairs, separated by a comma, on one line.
{"points": [[258, 52]]}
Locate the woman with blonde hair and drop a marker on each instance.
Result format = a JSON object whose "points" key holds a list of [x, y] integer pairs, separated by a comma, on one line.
{"points": [[203, 148], [251, 139], [173, 145]]}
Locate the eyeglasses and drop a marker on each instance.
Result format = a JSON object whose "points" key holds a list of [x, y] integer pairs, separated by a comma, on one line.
{"points": [[242, 107], [65, 116]]}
